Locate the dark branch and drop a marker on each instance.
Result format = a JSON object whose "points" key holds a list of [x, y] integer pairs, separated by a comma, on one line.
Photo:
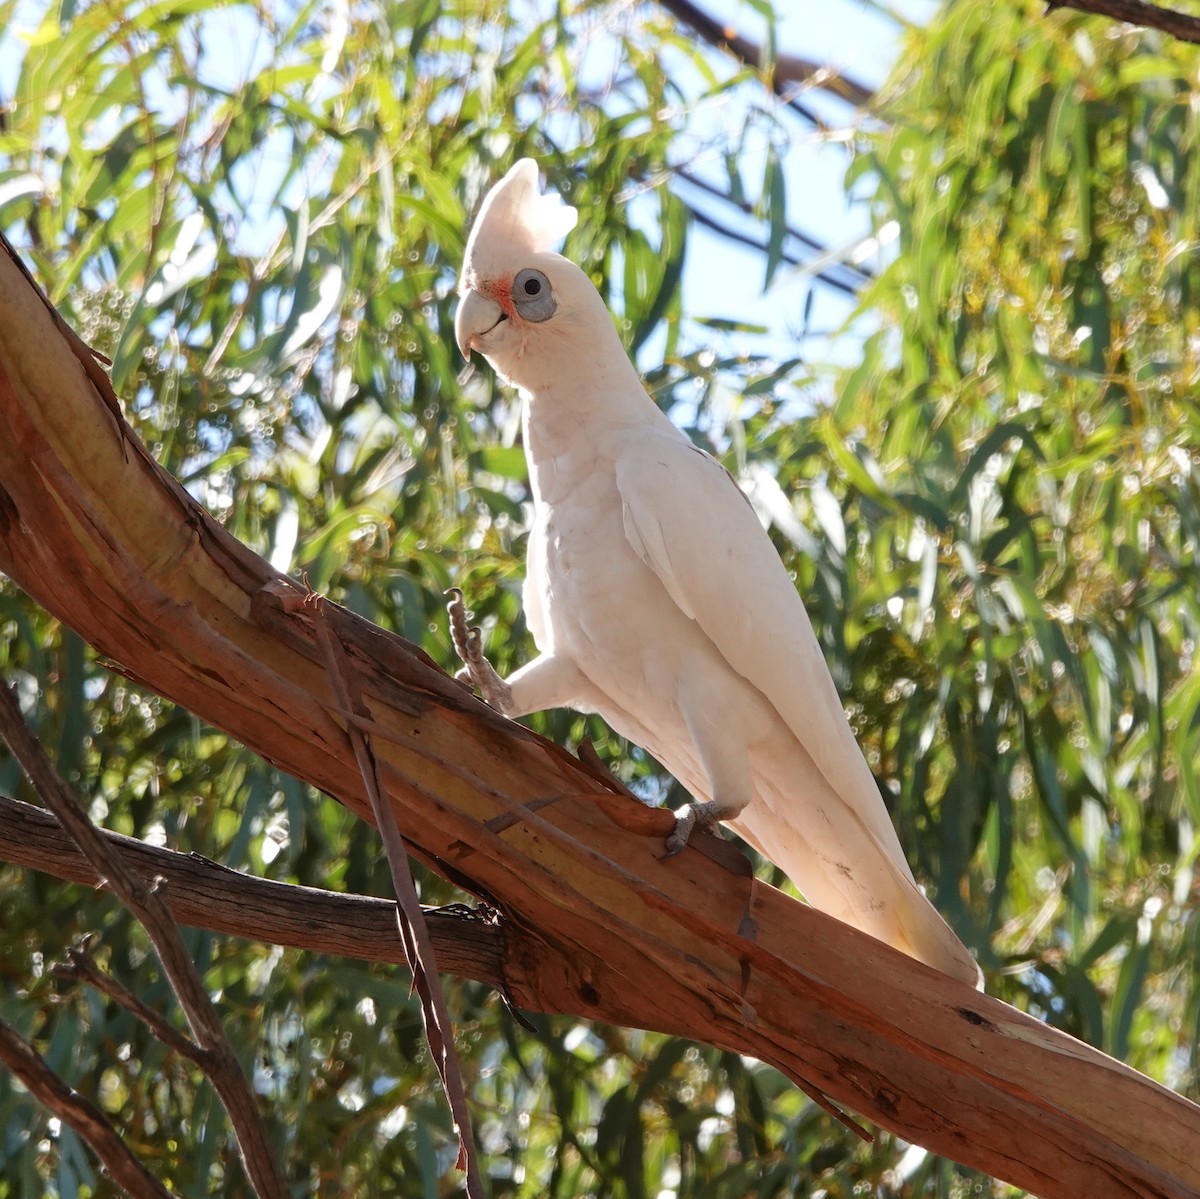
{"points": [[745, 239], [224, 1071], [788, 71], [82, 967], [80, 1113], [203, 894], [745, 206], [859, 276], [1135, 12]]}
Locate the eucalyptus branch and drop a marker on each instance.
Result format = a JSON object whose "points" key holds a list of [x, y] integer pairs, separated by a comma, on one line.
{"points": [[805, 239], [80, 1113], [204, 894], [859, 276], [222, 1066], [1178, 25], [787, 72], [745, 239]]}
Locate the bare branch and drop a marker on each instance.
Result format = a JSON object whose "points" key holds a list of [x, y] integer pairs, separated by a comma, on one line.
{"points": [[80, 1113], [858, 276], [82, 967], [203, 894], [223, 1068], [805, 239], [1134, 12], [789, 72]]}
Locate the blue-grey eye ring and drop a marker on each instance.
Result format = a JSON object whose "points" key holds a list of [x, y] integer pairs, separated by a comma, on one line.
{"points": [[532, 295]]}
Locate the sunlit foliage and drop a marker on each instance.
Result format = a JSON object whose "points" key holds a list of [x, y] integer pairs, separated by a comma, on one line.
{"points": [[258, 214]]}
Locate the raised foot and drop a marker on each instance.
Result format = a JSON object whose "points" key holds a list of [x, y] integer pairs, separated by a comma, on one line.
{"points": [[476, 669]]}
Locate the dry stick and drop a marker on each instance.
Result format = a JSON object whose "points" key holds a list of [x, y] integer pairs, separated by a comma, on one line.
{"points": [[1179, 25], [91, 1124], [221, 1065], [82, 968], [410, 917], [203, 894]]}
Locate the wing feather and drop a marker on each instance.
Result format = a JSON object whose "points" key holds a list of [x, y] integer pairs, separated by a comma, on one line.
{"points": [[686, 518]]}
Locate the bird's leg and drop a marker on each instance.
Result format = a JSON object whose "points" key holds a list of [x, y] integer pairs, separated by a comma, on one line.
{"points": [[720, 741], [694, 816], [476, 669], [546, 682]]}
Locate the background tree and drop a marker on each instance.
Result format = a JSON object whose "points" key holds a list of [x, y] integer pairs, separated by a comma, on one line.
{"points": [[259, 214]]}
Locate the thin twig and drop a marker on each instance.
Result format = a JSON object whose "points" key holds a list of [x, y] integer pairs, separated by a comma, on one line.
{"points": [[702, 218], [744, 206], [224, 1071], [411, 920], [82, 967], [1134, 12], [80, 1113]]}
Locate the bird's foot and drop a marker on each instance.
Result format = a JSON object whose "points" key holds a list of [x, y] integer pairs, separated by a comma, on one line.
{"points": [[476, 670], [694, 816]]}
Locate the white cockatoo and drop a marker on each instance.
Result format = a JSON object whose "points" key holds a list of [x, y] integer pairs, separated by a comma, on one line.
{"points": [[656, 598]]}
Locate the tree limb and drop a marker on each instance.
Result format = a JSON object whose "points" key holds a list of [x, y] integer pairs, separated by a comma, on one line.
{"points": [[691, 946], [220, 1062], [788, 72], [1134, 12], [80, 1113], [204, 894]]}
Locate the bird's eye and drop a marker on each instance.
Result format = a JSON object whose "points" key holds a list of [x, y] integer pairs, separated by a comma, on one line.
{"points": [[532, 295]]}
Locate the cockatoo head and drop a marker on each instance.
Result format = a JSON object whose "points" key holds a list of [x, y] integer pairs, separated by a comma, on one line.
{"points": [[524, 307]]}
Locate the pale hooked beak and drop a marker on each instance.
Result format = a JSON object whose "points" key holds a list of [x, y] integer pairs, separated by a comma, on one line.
{"points": [[476, 316]]}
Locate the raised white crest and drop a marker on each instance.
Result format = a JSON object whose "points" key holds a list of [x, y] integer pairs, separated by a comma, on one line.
{"points": [[516, 219]]}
